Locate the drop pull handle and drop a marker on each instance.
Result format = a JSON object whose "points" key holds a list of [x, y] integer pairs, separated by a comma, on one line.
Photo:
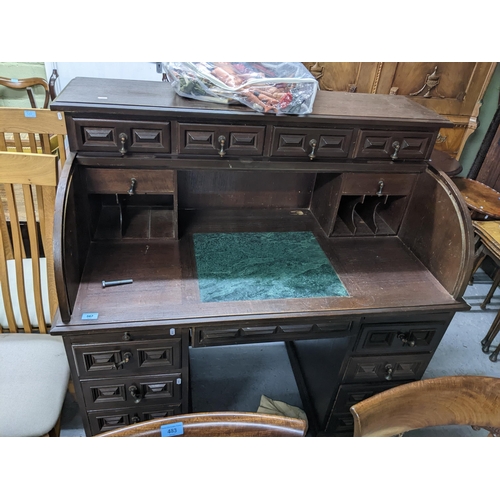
{"points": [[389, 370], [127, 356], [131, 190], [135, 393], [405, 339], [380, 187], [396, 147], [222, 141], [313, 145], [123, 140]]}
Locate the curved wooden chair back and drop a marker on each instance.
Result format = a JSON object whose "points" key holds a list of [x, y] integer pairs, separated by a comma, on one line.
{"points": [[220, 424], [458, 400], [27, 284], [28, 84]]}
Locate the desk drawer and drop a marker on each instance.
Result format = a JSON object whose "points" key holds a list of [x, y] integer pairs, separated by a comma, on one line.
{"points": [[120, 181], [140, 391], [401, 337], [370, 184], [107, 420], [386, 144], [122, 136], [221, 140], [125, 358], [300, 142], [244, 334], [386, 368]]}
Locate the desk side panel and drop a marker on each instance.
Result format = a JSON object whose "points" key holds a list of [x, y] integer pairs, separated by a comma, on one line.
{"points": [[438, 229]]}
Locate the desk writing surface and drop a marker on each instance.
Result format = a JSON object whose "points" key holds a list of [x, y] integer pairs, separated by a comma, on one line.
{"points": [[378, 274]]}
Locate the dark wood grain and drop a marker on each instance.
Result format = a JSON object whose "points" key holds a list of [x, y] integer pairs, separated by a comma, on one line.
{"points": [[223, 424]]}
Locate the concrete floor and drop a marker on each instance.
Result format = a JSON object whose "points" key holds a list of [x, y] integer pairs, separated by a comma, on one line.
{"points": [[235, 377]]}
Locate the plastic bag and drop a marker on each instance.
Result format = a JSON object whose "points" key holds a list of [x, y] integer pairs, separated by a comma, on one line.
{"points": [[273, 87]]}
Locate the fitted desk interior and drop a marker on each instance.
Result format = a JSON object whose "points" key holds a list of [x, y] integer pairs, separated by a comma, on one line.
{"points": [[199, 204]]}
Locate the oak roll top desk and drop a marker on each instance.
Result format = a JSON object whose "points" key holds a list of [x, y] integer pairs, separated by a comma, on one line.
{"points": [[193, 201]]}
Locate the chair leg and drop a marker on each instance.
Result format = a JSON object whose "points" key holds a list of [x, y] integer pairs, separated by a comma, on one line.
{"points": [[480, 256], [494, 286], [492, 333], [494, 354]]}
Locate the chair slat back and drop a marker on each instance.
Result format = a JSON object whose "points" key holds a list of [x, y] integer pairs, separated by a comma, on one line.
{"points": [[456, 400], [29, 182]]}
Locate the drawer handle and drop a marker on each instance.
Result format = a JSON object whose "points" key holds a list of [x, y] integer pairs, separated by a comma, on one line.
{"points": [[222, 141], [126, 358], [135, 419], [313, 144], [388, 372], [380, 187], [405, 339], [123, 139], [131, 189], [396, 147], [135, 393]]}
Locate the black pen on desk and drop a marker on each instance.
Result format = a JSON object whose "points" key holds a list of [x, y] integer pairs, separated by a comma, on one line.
{"points": [[116, 283]]}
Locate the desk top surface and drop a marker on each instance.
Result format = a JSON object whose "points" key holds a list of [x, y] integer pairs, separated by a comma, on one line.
{"points": [[101, 94]]}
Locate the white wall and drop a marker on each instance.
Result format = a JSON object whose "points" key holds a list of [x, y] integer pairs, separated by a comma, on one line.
{"points": [[130, 71]]}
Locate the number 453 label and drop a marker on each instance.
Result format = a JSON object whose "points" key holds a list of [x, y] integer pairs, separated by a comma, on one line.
{"points": [[172, 430]]}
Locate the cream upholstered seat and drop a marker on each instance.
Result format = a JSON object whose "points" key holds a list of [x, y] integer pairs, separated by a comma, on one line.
{"points": [[34, 376]]}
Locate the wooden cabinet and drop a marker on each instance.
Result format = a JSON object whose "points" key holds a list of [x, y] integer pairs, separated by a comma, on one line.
{"points": [[339, 209], [452, 89]]}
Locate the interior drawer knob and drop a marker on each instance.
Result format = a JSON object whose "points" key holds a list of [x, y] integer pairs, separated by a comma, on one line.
{"points": [[380, 188], [389, 370], [133, 183]]}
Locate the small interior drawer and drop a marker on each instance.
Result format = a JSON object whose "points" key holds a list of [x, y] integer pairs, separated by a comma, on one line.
{"points": [[370, 184], [121, 181]]}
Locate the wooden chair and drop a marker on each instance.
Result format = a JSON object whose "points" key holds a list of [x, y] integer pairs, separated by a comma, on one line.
{"points": [[219, 424], [34, 370], [457, 400], [28, 84]]}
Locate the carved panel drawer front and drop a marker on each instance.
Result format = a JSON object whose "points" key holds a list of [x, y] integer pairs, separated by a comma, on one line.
{"points": [[242, 334], [122, 136], [402, 337], [377, 184], [107, 420], [124, 358], [350, 394], [121, 392], [130, 181], [394, 145], [221, 140], [380, 368], [310, 143]]}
